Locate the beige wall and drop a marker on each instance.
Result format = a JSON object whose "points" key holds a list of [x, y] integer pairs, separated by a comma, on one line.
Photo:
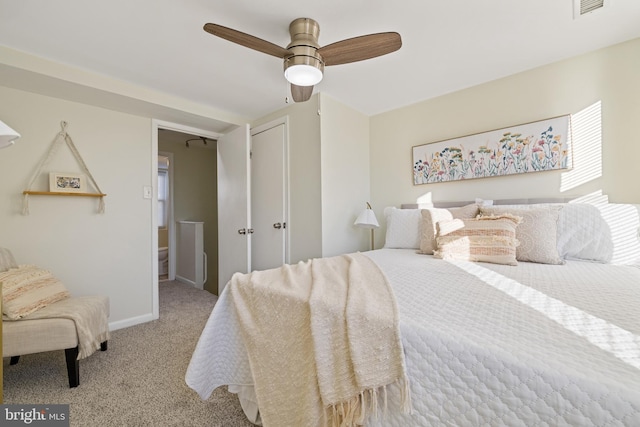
{"points": [[91, 253], [163, 237], [345, 176], [195, 191], [602, 91]]}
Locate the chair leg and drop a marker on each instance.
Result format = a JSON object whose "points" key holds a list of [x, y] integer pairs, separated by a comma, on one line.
{"points": [[14, 360], [73, 366], [103, 346]]}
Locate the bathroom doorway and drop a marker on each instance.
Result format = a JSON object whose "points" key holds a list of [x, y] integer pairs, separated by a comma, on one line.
{"points": [[192, 196]]}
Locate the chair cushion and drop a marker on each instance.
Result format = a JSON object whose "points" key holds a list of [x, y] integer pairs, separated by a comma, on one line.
{"points": [[34, 336]]}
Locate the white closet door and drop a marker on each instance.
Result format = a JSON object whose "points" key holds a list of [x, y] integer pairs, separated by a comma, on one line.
{"points": [[234, 206], [268, 197]]}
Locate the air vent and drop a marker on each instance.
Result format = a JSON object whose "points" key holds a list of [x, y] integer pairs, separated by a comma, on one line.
{"points": [[582, 7]]}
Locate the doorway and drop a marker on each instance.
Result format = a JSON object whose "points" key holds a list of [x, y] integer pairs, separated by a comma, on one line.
{"points": [[193, 194], [193, 170]]}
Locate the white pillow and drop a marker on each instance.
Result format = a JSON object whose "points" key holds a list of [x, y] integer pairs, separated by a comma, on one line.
{"points": [[482, 202], [623, 224], [403, 228], [583, 233]]}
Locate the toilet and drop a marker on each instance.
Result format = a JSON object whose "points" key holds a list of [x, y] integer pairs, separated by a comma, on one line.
{"points": [[163, 261]]}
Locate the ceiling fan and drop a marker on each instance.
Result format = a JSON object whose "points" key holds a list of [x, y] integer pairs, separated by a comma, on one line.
{"points": [[304, 59]]}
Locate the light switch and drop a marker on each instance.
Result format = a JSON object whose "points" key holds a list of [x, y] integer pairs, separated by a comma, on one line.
{"points": [[147, 192]]}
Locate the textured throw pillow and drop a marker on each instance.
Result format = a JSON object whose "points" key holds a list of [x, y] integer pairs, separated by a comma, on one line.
{"points": [[28, 288], [488, 239], [403, 228], [6, 260], [465, 212], [431, 216], [537, 233]]}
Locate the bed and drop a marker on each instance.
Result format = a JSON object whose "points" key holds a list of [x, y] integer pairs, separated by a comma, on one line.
{"points": [[489, 343]]}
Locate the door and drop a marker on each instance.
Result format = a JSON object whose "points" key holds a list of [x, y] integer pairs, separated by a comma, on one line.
{"points": [[268, 197], [234, 214]]}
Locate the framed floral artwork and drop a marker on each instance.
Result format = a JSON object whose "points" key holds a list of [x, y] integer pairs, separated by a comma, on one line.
{"points": [[67, 182], [531, 147]]}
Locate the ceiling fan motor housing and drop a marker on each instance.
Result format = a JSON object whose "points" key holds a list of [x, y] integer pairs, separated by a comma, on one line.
{"points": [[304, 45]]}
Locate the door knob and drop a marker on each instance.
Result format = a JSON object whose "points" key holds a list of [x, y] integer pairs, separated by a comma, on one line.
{"points": [[250, 231], [242, 231], [277, 225]]}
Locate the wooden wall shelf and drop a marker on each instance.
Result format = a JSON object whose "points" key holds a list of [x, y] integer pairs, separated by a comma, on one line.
{"points": [[57, 193]]}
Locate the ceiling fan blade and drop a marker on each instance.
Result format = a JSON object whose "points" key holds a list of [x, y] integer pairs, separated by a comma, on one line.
{"points": [[301, 93], [360, 48], [246, 40]]}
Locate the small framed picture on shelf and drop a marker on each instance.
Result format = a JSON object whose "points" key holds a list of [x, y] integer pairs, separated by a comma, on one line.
{"points": [[67, 182]]}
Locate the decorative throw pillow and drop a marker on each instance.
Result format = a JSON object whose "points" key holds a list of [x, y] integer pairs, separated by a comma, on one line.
{"points": [[430, 217], [487, 239], [28, 288], [537, 233], [6, 260], [403, 228], [464, 212]]}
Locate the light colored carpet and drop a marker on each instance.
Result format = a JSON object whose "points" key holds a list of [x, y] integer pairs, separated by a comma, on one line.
{"points": [[139, 380]]}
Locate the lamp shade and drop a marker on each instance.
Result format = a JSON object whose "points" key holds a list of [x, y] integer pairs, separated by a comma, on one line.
{"points": [[7, 135], [367, 219]]}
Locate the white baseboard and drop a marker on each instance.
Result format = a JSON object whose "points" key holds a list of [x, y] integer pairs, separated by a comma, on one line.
{"points": [[132, 321], [189, 282], [182, 279]]}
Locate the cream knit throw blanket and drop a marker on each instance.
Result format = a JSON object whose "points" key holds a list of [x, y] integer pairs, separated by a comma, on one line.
{"points": [[90, 316], [323, 341]]}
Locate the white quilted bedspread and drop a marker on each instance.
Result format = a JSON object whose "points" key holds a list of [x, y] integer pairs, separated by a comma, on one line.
{"points": [[489, 345]]}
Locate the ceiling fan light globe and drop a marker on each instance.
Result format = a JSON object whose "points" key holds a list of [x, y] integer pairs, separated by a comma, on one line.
{"points": [[303, 75]]}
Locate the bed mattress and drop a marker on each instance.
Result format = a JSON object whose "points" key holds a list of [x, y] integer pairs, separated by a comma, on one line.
{"points": [[489, 344]]}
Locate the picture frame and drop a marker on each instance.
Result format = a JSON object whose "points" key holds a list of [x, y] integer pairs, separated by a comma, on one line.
{"points": [[530, 147], [63, 182]]}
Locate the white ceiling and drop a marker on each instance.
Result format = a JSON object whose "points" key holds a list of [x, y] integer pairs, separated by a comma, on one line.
{"points": [[447, 45]]}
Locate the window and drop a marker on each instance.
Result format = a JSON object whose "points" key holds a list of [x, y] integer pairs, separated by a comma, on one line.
{"points": [[163, 197]]}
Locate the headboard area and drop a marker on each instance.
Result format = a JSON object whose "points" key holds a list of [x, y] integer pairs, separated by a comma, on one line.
{"points": [[495, 202]]}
